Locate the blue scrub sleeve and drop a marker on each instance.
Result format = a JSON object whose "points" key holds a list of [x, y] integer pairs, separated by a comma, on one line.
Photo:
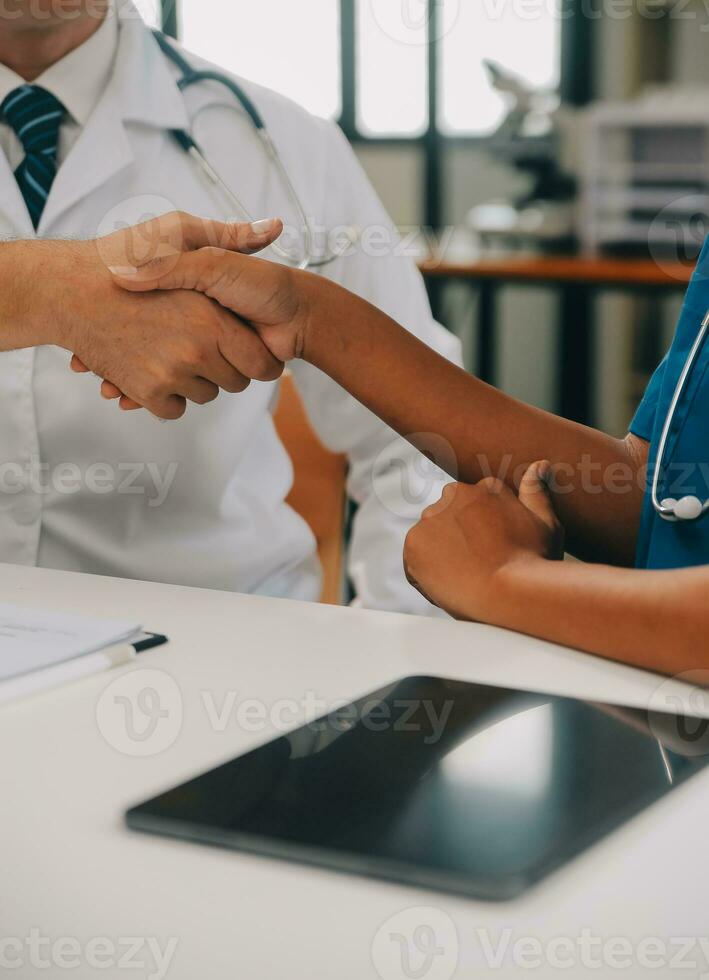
{"points": [[643, 423], [695, 306]]}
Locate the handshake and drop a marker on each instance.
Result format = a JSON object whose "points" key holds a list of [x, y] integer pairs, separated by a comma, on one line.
{"points": [[210, 318]]}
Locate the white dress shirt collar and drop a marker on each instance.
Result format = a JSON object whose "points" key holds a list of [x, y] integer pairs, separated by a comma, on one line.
{"points": [[78, 79]]}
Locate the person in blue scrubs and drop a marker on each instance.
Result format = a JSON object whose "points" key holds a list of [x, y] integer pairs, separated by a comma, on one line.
{"points": [[532, 485], [685, 465]]}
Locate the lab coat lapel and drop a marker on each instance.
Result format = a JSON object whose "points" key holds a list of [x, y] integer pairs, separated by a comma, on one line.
{"points": [[142, 90], [102, 150]]}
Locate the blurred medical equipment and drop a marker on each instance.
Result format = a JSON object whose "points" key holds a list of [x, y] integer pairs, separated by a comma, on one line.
{"points": [[309, 258], [686, 508], [645, 174], [528, 139]]}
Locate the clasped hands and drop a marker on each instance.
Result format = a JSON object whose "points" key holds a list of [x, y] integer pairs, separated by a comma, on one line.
{"points": [[161, 350], [210, 319]]}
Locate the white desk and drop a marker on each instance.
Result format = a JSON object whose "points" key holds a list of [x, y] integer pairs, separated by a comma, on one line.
{"points": [[70, 869]]}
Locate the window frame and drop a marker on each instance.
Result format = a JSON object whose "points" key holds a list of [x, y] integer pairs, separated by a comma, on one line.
{"points": [[576, 88]]}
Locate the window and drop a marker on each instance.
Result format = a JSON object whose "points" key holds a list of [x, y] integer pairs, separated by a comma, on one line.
{"points": [[287, 45], [392, 69], [384, 89], [525, 39]]}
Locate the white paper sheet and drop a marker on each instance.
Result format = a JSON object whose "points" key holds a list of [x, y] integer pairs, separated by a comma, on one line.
{"points": [[31, 639]]}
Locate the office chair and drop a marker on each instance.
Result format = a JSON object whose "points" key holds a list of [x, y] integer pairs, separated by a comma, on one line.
{"points": [[319, 488]]}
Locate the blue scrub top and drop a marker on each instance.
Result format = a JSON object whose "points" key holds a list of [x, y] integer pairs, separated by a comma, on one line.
{"points": [[663, 544]]}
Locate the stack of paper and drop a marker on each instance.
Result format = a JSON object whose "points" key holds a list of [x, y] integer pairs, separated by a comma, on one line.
{"points": [[33, 639]]}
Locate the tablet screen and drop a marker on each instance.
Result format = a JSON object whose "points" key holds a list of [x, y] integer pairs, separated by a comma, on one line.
{"points": [[456, 786]]}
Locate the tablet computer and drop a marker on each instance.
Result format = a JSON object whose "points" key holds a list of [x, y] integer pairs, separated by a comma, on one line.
{"points": [[461, 787]]}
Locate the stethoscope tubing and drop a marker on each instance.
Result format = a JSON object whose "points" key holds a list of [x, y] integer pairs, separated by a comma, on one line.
{"points": [[664, 510], [186, 141]]}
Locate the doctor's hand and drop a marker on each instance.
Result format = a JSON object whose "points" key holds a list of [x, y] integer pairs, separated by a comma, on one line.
{"points": [[459, 554], [162, 350], [274, 299]]}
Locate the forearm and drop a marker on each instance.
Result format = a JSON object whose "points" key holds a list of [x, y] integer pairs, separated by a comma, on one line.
{"points": [[658, 620], [30, 294], [597, 490]]}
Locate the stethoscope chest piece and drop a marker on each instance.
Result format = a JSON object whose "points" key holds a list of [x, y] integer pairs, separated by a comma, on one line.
{"points": [[684, 509], [690, 508]]}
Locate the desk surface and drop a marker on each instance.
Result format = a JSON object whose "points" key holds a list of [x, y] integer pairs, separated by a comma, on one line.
{"points": [[70, 869], [565, 268]]}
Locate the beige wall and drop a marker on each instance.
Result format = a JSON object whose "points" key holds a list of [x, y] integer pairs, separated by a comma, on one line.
{"points": [[527, 317]]}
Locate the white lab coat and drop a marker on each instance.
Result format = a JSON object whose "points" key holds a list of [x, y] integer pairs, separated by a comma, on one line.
{"points": [[221, 470]]}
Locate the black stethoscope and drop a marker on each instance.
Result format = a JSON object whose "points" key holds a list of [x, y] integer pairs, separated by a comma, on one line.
{"points": [[308, 259]]}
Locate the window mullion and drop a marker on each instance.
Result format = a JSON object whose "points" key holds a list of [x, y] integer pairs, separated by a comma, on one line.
{"points": [[348, 57], [170, 23], [433, 143]]}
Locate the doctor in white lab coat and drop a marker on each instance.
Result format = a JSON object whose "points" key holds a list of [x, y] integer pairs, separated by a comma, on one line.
{"points": [[200, 501]]}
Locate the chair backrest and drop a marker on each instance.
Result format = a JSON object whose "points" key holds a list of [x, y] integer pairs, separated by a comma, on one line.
{"points": [[319, 488]]}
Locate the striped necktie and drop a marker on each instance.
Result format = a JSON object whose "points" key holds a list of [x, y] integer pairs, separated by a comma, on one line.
{"points": [[35, 115]]}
